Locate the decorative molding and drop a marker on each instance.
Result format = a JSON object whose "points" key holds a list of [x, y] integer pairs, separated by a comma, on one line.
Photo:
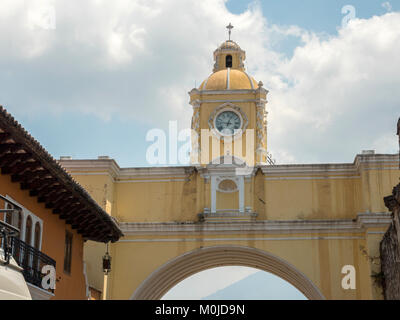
{"points": [[25, 213], [195, 104], [261, 131], [145, 181], [312, 178], [228, 216], [293, 171], [195, 135], [226, 180], [380, 168], [244, 239], [359, 225], [361, 163], [227, 92], [230, 100], [262, 90]]}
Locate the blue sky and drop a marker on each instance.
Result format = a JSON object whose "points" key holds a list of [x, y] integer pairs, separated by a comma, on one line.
{"points": [[315, 15]]}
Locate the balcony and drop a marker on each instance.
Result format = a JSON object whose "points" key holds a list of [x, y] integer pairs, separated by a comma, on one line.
{"points": [[7, 232], [30, 259]]}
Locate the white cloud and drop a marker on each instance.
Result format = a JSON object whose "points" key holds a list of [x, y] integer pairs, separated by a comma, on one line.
{"points": [[138, 59], [336, 95], [110, 58]]}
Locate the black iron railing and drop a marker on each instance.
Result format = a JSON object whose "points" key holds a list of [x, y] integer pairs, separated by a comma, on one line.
{"points": [[31, 260], [7, 232]]}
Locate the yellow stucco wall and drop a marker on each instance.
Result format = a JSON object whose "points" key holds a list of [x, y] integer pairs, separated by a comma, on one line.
{"points": [[312, 199], [282, 193], [164, 199], [227, 200], [321, 261]]}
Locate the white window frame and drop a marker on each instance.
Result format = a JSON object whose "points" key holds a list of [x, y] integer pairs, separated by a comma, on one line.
{"points": [[24, 216]]}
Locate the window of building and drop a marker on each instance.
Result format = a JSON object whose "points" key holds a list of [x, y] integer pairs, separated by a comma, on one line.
{"points": [[229, 61], [26, 222], [37, 236], [28, 230], [19, 224], [8, 214], [68, 252]]}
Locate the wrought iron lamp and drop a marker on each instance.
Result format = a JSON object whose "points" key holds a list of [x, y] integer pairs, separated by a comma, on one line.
{"points": [[107, 262]]}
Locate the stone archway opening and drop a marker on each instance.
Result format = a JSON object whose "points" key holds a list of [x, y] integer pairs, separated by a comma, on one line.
{"points": [[190, 263], [233, 283]]}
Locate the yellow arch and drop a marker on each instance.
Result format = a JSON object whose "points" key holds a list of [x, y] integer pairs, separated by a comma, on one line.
{"points": [[178, 269]]}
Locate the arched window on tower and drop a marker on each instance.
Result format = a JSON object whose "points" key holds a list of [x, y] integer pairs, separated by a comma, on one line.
{"points": [[228, 61]]}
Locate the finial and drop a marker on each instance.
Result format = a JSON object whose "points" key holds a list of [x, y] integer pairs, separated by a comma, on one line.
{"points": [[230, 27]]}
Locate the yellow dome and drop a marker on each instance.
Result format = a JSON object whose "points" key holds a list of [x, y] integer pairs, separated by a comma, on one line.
{"points": [[229, 79], [229, 44]]}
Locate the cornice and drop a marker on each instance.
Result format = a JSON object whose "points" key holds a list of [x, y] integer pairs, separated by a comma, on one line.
{"points": [[350, 170], [291, 171], [363, 222], [363, 159], [225, 92], [109, 166], [157, 171], [225, 100], [91, 165]]}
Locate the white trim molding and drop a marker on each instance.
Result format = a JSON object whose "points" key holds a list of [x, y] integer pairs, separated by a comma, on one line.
{"points": [[35, 220]]}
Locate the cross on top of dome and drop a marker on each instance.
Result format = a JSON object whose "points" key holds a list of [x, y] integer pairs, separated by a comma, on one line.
{"points": [[229, 54], [230, 27]]}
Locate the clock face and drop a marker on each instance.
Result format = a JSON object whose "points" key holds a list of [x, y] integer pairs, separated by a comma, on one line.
{"points": [[227, 122]]}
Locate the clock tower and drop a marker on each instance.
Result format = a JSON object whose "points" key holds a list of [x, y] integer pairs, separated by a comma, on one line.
{"points": [[229, 114], [229, 133]]}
